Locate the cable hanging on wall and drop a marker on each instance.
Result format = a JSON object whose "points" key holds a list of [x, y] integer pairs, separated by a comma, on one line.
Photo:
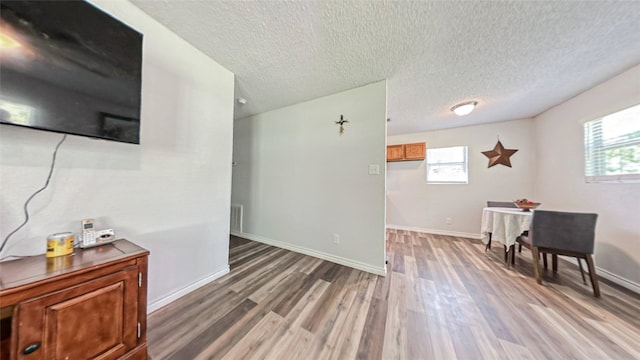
{"points": [[26, 204]]}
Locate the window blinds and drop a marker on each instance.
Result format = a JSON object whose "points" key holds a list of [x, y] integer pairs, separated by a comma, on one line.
{"points": [[612, 147]]}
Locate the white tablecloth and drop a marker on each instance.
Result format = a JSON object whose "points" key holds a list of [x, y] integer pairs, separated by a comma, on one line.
{"points": [[504, 224]]}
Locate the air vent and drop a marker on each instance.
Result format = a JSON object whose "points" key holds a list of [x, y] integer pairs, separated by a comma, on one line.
{"points": [[236, 218]]}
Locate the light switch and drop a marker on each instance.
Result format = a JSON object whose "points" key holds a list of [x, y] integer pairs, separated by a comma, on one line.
{"points": [[374, 169]]}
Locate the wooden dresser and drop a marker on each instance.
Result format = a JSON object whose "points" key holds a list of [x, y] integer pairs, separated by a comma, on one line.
{"points": [[88, 305]]}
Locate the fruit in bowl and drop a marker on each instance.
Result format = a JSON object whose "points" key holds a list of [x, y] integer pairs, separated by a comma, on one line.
{"points": [[526, 204]]}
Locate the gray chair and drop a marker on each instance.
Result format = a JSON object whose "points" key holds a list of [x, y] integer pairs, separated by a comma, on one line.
{"points": [[523, 240], [563, 233], [504, 204]]}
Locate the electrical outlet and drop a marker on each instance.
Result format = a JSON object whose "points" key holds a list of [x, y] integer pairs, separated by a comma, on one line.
{"points": [[448, 221], [336, 238]]}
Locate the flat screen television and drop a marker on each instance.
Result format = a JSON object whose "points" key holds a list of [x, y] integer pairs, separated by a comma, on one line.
{"points": [[68, 67]]}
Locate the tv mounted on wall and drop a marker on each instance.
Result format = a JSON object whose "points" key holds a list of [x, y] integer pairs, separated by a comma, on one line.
{"points": [[68, 67]]}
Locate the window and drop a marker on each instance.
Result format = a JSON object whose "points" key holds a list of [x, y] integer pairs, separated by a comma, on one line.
{"points": [[447, 165], [612, 147]]}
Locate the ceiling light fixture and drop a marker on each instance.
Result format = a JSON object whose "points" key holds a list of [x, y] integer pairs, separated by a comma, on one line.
{"points": [[7, 42], [464, 108]]}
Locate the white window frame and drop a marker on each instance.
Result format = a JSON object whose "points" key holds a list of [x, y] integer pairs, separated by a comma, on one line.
{"points": [[464, 163], [595, 148]]}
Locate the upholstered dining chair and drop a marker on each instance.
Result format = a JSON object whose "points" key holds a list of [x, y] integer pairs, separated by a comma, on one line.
{"points": [[504, 204], [563, 233], [524, 241]]}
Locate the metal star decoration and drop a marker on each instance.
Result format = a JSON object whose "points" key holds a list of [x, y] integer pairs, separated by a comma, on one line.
{"points": [[499, 155]]}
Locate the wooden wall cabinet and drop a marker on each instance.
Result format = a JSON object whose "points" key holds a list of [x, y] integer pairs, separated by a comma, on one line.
{"points": [[395, 152], [406, 152], [88, 305]]}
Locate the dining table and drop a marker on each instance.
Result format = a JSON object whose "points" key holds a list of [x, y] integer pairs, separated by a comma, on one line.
{"points": [[504, 225]]}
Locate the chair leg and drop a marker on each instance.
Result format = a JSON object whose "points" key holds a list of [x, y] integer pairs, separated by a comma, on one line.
{"points": [[513, 254], [544, 261], [536, 265], [554, 262], [584, 281], [506, 254], [592, 276], [519, 248], [488, 246]]}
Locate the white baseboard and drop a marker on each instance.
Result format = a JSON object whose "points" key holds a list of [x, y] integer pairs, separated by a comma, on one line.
{"points": [[184, 291], [436, 232], [318, 254], [619, 280]]}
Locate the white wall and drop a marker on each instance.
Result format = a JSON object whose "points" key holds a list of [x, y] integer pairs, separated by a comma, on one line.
{"points": [[300, 181], [560, 180], [414, 204], [171, 194]]}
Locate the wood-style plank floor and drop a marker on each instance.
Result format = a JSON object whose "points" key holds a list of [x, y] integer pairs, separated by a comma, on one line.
{"points": [[443, 298]]}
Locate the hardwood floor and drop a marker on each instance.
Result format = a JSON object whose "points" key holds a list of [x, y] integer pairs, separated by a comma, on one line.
{"points": [[443, 298]]}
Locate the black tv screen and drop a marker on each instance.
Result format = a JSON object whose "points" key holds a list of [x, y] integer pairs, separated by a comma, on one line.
{"points": [[67, 66]]}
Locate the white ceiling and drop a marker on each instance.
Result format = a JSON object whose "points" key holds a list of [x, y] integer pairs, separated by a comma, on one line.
{"points": [[516, 58]]}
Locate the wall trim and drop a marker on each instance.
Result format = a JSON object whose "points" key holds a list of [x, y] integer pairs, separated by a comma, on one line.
{"points": [[619, 280], [434, 231], [186, 290], [382, 271]]}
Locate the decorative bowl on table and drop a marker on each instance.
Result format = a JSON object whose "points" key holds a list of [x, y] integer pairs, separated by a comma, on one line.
{"points": [[526, 205]]}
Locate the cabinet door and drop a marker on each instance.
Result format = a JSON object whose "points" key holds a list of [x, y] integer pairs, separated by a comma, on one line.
{"points": [[395, 152], [414, 151], [94, 320]]}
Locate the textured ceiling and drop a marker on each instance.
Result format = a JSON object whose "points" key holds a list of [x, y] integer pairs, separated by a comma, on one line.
{"points": [[516, 58]]}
